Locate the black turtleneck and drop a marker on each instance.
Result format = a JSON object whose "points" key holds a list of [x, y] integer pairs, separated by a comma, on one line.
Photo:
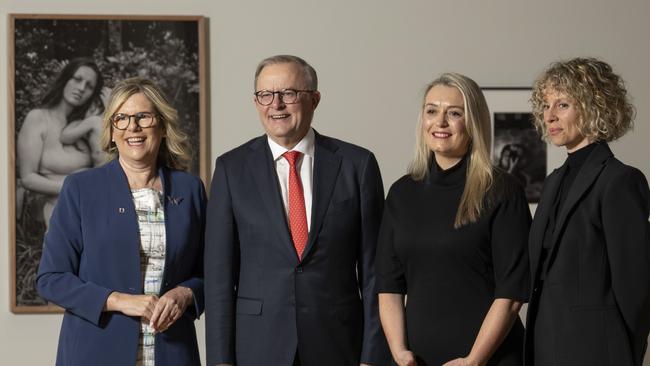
{"points": [[451, 177], [452, 276], [574, 162]]}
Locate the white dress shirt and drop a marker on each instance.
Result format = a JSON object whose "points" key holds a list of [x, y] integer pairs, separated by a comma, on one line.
{"points": [[304, 165]]}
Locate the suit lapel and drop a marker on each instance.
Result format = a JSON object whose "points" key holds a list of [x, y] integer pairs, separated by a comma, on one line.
{"points": [[261, 168], [586, 176], [538, 228], [326, 170]]}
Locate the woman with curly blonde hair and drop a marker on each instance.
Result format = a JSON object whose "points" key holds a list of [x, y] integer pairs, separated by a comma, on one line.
{"points": [[589, 241]]}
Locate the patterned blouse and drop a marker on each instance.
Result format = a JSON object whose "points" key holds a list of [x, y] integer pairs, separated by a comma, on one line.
{"points": [[151, 221]]}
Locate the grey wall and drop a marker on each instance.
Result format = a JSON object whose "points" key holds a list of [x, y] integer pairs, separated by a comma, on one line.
{"points": [[373, 59]]}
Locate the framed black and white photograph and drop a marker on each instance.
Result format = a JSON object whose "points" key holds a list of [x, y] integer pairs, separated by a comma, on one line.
{"points": [[52, 59], [517, 147]]}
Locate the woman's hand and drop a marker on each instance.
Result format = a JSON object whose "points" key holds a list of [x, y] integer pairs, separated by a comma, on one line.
{"points": [[132, 305], [105, 95], [512, 164], [170, 308], [405, 358], [461, 362]]}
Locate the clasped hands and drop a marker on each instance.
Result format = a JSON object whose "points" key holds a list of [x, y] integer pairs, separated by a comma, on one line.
{"points": [[407, 358], [160, 312]]}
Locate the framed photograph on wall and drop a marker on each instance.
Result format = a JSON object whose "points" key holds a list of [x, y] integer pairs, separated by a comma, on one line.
{"points": [[516, 145], [46, 53]]}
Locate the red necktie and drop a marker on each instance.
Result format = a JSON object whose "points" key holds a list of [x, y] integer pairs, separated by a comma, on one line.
{"points": [[297, 212]]}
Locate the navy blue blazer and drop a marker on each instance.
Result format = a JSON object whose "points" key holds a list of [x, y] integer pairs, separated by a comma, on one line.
{"points": [[92, 248], [262, 303]]}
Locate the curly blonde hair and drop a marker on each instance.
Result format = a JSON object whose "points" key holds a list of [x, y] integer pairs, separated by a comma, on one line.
{"points": [[175, 151], [604, 109], [479, 167]]}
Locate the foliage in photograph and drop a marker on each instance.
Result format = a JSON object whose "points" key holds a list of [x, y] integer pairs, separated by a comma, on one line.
{"points": [[166, 51]]}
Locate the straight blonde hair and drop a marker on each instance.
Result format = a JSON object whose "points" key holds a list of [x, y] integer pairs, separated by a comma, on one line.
{"points": [[479, 167], [175, 150]]}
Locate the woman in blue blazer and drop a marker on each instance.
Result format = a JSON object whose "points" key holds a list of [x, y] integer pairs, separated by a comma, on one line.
{"points": [[123, 252], [590, 239]]}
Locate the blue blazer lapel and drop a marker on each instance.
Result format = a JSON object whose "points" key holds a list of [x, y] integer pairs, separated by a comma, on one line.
{"points": [[122, 217], [261, 168], [326, 170], [586, 177], [172, 201]]}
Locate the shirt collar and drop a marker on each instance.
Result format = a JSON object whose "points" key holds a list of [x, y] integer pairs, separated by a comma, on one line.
{"points": [[305, 146]]}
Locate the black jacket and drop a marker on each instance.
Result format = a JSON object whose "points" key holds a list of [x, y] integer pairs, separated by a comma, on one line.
{"points": [[596, 293]]}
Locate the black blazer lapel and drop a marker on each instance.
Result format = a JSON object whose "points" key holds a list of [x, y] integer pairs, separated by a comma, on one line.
{"points": [[261, 168], [544, 208], [326, 170], [586, 177]]}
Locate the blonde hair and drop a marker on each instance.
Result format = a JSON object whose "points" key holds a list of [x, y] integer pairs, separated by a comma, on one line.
{"points": [[175, 150], [479, 167], [604, 109]]}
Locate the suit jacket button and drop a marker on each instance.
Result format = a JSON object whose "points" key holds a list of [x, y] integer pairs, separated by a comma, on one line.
{"points": [[299, 269]]}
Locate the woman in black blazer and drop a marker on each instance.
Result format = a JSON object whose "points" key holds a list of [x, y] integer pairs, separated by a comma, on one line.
{"points": [[590, 239]]}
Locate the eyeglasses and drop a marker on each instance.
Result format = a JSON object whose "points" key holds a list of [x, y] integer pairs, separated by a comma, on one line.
{"points": [[287, 96], [122, 121]]}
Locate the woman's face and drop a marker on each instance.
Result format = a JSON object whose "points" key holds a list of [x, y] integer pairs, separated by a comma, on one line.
{"points": [[561, 117], [137, 146], [80, 87], [443, 121]]}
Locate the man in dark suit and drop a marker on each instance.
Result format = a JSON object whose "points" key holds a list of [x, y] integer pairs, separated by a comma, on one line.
{"points": [[292, 225]]}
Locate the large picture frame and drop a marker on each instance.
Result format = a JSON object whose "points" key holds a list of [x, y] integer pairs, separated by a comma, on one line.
{"points": [[170, 50], [516, 145]]}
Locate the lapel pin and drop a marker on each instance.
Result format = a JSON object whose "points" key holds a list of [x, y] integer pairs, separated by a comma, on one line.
{"points": [[120, 210], [174, 200]]}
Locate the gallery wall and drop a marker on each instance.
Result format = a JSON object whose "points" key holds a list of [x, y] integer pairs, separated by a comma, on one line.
{"points": [[373, 59]]}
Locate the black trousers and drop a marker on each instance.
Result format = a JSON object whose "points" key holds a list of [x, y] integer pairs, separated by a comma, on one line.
{"points": [[544, 347]]}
